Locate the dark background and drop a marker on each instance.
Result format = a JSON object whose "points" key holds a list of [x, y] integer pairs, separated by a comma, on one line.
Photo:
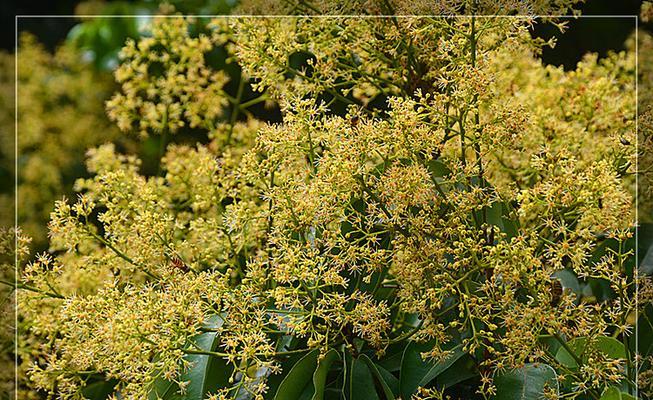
{"points": [[584, 34]]}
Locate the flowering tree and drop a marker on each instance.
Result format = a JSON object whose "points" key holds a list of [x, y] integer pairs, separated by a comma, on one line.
{"points": [[436, 214]]}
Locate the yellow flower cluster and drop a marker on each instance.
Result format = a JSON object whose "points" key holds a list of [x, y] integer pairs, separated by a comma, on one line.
{"points": [[420, 7], [587, 113], [129, 332], [13, 247], [645, 150], [171, 230], [300, 56], [456, 186], [60, 115], [166, 82], [645, 175]]}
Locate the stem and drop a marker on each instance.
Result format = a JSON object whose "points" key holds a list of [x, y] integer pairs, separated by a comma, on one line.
{"points": [[311, 153], [407, 335], [477, 147], [31, 289], [226, 355], [326, 89], [236, 109], [163, 141], [121, 254], [385, 210], [254, 101], [591, 392], [469, 313], [564, 344]]}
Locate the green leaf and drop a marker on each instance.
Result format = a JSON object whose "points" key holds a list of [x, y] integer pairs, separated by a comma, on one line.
{"points": [[416, 372], [568, 280], [613, 393], [441, 366], [346, 371], [644, 329], [464, 368], [437, 168], [392, 359], [494, 215], [391, 380], [381, 379], [526, 383], [206, 373], [581, 347], [298, 378], [164, 390], [645, 244], [284, 343], [321, 372], [361, 385], [99, 390]]}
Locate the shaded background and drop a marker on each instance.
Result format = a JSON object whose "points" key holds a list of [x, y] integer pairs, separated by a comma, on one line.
{"points": [[584, 35]]}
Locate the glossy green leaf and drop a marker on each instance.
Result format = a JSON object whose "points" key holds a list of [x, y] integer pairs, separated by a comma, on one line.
{"points": [[437, 168], [298, 378], [568, 280], [274, 380], [99, 390], [440, 366], [610, 347], [205, 374], [645, 243], [416, 372], [391, 380], [321, 372], [164, 390], [463, 369], [613, 393], [526, 383], [346, 371], [392, 359], [494, 215], [644, 329], [361, 385], [385, 381]]}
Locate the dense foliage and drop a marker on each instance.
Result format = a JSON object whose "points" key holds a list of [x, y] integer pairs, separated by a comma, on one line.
{"points": [[60, 102], [437, 214]]}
